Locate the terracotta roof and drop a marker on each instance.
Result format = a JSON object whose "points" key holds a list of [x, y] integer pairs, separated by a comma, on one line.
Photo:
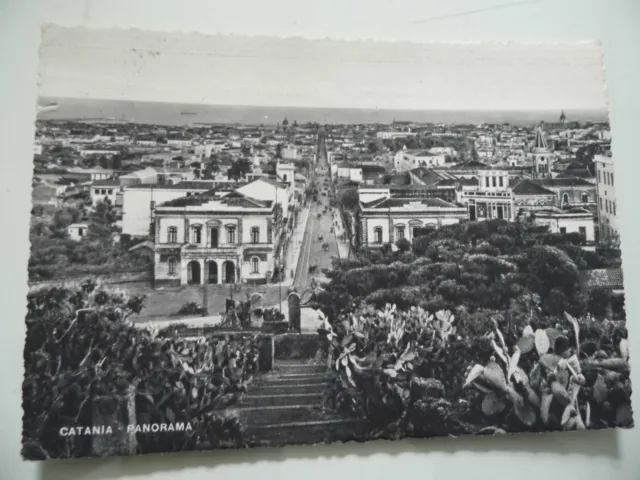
{"points": [[602, 278], [529, 187]]}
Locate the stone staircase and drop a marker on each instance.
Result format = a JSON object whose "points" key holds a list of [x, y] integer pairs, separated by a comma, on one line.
{"points": [[285, 406]]}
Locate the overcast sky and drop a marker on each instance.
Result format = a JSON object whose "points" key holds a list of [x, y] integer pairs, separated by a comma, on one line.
{"points": [[227, 70]]}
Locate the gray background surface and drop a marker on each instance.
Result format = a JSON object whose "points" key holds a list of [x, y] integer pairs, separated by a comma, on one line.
{"points": [[585, 455]]}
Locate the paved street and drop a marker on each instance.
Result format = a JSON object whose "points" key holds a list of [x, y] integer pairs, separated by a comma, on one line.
{"points": [[318, 232]]}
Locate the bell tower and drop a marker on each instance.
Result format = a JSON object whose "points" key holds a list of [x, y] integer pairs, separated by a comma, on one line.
{"points": [[541, 156]]}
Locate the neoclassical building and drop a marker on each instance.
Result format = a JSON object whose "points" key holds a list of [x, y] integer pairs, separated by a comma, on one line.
{"points": [[387, 220], [207, 239]]}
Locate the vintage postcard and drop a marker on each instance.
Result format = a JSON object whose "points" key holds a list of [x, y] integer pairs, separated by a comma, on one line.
{"points": [[252, 241]]}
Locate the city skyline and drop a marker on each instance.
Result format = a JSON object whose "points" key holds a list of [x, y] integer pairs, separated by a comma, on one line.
{"points": [[152, 67]]}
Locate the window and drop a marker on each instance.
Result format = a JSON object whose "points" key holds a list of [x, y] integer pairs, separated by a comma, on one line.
{"points": [[599, 179], [255, 235], [400, 232], [81, 232], [172, 236], [613, 205], [284, 177], [601, 207], [377, 235], [487, 181], [583, 232], [585, 198], [172, 266], [611, 178], [606, 205], [493, 181], [563, 230], [606, 178], [111, 191], [501, 181], [255, 265], [565, 198], [231, 234], [196, 234]]}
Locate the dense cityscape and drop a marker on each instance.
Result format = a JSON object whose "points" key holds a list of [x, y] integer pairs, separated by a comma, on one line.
{"points": [[378, 253]]}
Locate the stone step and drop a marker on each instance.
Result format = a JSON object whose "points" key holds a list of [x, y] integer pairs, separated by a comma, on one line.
{"points": [[268, 415], [258, 400], [310, 432], [289, 388], [294, 379], [300, 368]]}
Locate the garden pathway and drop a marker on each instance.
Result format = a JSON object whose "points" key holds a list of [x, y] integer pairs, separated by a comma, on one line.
{"points": [[286, 406]]}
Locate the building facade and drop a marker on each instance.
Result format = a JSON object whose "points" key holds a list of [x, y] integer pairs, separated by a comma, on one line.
{"points": [[606, 193], [405, 160], [105, 190], [388, 220], [491, 199], [564, 221], [206, 240]]}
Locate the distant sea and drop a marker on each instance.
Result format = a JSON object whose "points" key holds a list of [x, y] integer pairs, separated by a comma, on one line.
{"points": [[177, 114]]}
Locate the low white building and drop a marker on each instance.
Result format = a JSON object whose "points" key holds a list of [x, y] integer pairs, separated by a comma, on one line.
{"points": [[104, 190], [573, 220], [148, 176], [405, 160], [77, 231], [388, 220], [346, 171]]}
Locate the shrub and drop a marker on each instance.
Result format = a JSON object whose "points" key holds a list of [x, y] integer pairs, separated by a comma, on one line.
{"points": [[191, 308], [546, 383], [404, 371], [80, 345]]}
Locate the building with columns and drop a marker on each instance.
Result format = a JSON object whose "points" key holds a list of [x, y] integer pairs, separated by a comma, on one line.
{"points": [[206, 239]]}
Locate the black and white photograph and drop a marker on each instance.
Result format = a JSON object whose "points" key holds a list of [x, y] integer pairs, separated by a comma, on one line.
{"points": [[257, 241]]}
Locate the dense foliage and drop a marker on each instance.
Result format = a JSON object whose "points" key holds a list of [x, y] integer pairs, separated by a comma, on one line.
{"points": [[55, 255], [80, 347], [404, 371], [511, 268]]}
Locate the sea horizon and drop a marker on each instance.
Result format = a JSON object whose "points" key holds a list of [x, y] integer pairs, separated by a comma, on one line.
{"points": [[190, 114]]}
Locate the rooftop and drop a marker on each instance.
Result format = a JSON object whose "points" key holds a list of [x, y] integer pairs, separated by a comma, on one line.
{"points": [[203, 185], [529, 187], [386, 203], [564, 182], [233, 199]]}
